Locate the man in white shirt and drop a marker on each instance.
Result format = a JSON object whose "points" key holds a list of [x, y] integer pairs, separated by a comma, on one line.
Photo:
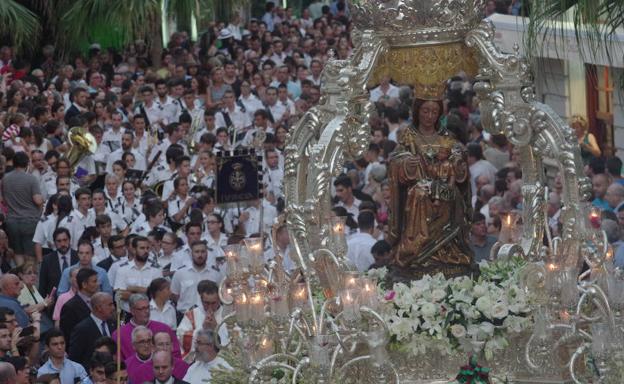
{"points": [[137, 275], [185, 280], [206, 358], [250, 101], [127, 141], [112, 137], [384, 91], [344, 194], [274, 174], [175, 133], [232, 114], [261, 124], [278, 110], [360, 244], [80, 218], [167, 104], [149, 109]]}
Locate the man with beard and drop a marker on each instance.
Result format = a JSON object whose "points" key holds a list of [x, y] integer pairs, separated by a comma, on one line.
{"points": [[206, 358], [127, 141], [137, 275]]}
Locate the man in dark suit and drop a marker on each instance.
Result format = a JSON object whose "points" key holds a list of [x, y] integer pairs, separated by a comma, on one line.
{"points": [[79, 100], [117, 246], [79, 307], [98, 324], [163, 368], [54, 262]]}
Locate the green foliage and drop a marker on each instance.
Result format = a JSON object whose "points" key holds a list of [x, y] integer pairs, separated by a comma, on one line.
{"points": [[19, 23]]}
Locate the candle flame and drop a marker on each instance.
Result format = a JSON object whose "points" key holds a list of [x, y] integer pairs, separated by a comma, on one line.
{"points": [[265, 342], [552, 267], [508, 219], [256, 299]]}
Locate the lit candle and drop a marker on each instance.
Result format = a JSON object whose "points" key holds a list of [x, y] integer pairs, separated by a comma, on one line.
{"points": [[369, 293], [350, 308], [232, 257], [256, 307], [241, 308], [351, 280], [265, 348], [299, 296], [255, 253], [595, 217], [338, 234], [506, 229], [551, 277]]}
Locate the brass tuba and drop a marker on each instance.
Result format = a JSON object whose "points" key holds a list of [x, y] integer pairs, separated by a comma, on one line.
{"points": [[82, 143]]}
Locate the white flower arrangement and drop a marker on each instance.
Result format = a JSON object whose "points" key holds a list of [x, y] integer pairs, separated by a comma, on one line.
{"points": [[459, 314]]}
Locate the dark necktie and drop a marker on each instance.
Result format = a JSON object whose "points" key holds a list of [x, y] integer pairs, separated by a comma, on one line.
{"points": [[64, 263], [104, 333]]}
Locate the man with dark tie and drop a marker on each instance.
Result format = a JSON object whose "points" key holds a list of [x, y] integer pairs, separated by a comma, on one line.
{"points": [[79, 307], [98, 324], [163, 369], [55, 262]]}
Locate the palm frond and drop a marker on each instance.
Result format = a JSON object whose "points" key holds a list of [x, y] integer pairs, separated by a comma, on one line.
{"points": [[18, 22], [133, 16], [594, 24]]}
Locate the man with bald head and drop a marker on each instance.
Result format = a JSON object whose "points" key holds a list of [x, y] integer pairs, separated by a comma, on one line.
{"points": [[10, 288], [7, 373], [98, 324], [615, 196], [163, 369]]}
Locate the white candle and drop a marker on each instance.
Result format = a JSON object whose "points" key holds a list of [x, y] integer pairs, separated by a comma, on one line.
{"points": [[506, 229], [241, 308], [299, 297], [265, 348], [350, 308], [337, 234], [279, 306], [369, 293], [232, 258], [255, 252], [256, 307]]}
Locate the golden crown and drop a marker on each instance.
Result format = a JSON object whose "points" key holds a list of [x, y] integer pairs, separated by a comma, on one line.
{"points": [[425, 40]]}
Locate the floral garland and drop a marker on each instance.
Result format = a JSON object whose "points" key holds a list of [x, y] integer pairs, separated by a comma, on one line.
{"points": [[458, 314]]}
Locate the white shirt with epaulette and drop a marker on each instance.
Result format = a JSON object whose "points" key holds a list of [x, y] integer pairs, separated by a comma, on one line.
{"points": [[174, 206], [76, 223], [129, 212], [168, 186], [131, 275], [185, 280], [159, 173], [45, 230]]}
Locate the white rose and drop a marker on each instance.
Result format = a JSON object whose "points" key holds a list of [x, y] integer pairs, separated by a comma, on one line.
{"points": [[499, 311], [479, 290], [458, 331], [428, 309], [487, 328], [437, 295], [483, 304]]}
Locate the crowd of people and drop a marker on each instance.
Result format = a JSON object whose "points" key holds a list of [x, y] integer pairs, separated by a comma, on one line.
{"points": [[133, 224]]}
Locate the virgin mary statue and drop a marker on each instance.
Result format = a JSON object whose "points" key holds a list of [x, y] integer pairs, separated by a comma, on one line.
{"points": [[430, 211]]}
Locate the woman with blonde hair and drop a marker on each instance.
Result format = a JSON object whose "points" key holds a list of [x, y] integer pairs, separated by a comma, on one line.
{"points": [[587, 141]]}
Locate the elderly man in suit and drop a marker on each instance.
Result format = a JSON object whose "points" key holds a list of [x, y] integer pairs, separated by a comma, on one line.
{"points": [[163, 369], [79, 307], [98, 324], [55, 262]]}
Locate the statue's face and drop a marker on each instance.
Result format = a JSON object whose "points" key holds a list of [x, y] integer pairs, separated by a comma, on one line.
{"points": [[428, 114]]}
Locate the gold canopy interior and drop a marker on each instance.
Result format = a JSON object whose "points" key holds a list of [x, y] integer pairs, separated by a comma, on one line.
{"points": [[426, 68]]}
